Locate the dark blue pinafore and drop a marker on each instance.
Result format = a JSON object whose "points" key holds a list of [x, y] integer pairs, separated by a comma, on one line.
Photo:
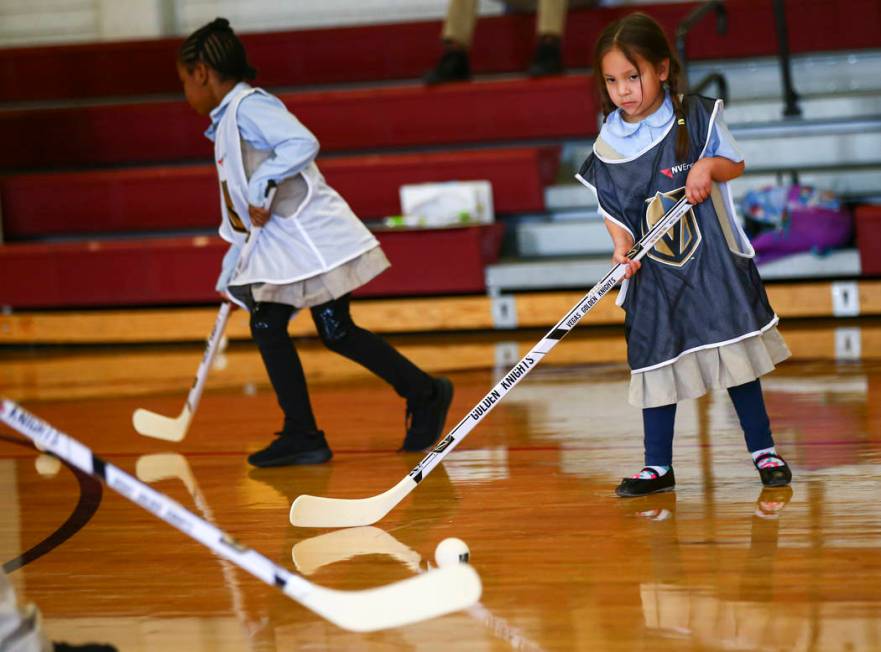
{"points": [[693, 291]]}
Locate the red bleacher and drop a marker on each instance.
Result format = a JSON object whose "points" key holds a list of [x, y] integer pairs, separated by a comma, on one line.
{"points": [[184, 197], [406, 116], [867, 219], [80, 170], [183, 270], [406, 50]]}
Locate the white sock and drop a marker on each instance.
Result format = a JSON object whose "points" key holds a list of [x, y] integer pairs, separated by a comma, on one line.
{"points": [[769, 462], [660, 470]]}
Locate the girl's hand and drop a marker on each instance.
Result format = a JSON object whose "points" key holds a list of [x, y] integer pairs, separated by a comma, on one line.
{"points": [[699, 181], [259, 216], [620, 256]]}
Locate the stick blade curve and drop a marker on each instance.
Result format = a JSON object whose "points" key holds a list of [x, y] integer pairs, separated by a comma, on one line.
{"points": [[435, 593], [314, 511], [154, 425]]}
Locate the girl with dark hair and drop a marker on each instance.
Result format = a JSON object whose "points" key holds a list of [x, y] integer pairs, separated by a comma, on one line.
{"points": [[312, 251], [697, 315]]}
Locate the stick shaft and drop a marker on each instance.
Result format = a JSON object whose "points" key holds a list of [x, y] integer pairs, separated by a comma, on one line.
{"points": [[211, 347], [160, 505], [548, 342]]}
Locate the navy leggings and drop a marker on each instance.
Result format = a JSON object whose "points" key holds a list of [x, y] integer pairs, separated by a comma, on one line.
{"points": [[748, 403]]}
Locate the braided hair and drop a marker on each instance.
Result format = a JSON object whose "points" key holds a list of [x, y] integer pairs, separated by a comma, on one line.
{"points": [[638, 34], [217, 46]]}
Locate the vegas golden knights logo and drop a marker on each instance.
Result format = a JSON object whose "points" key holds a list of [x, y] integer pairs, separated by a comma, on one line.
{"points": [[234, 220], [677, 246]]}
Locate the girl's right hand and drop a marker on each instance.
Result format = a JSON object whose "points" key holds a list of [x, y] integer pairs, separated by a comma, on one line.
{"points": [[259, 215], [620, 256]]}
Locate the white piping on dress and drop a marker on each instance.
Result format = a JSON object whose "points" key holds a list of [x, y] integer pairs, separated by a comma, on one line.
{"points": [[605, 213], [639, 153], [715, 345]]}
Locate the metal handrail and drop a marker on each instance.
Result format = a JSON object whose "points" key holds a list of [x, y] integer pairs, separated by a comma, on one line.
{"points": [[714, 78], [693, 19], [682, 31], [790, 97]]}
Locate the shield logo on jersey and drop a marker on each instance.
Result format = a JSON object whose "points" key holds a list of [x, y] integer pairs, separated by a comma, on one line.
{"points": [[678, 245]]}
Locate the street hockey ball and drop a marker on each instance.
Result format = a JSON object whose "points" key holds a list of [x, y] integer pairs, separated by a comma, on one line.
{"points": [[451, 551]]}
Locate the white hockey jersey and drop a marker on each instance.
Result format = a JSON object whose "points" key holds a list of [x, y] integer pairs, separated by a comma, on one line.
{"points": [[310, 236]]}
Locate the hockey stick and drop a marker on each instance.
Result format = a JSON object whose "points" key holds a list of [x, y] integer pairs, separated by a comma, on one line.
{"points": [[313, 511], [159, 426], [400, 603], [312, 554]]}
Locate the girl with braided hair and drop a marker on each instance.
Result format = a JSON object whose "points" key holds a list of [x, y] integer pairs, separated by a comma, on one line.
{"points": [[697, 315], [312, 251]]}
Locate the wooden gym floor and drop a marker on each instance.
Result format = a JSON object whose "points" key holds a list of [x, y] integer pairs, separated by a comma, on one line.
{"points": [[717, 565]]}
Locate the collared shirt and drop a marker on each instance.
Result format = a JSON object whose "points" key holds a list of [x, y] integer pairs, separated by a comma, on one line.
{"points": [[631, 138], [265, 123]]}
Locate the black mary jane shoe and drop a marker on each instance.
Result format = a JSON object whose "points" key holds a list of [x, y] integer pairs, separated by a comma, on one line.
{"points": [[773, 476], [637, 486]]}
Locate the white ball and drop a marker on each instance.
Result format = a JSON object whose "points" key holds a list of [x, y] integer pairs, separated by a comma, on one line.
{"points": [[47, 465], [451, 551]]}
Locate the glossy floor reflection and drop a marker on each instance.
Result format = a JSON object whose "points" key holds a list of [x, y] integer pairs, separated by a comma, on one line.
{"points": [[719, 565]]}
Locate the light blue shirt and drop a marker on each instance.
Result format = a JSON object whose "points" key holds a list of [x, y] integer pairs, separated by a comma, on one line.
{"points": [[630, 138], [265, 123]]}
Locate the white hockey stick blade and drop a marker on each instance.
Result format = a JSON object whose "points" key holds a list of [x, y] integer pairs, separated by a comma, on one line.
{"points": [[400, 603], [436, 593], [158, 426], [314, 511]]}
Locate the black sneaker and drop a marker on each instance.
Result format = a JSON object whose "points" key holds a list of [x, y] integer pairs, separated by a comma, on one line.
{"points": [[548, 58], [290, 450], [453, 66], [637, 486], [773, 476], [84, 647], [425, 419]]}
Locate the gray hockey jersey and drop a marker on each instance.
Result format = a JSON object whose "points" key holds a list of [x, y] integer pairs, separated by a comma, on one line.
{"points": [[698, 288]]}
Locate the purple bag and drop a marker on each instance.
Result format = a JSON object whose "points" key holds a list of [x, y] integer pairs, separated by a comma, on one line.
{"points": [[786, 220]]}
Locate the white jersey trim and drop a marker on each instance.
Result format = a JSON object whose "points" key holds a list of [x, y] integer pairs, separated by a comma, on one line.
{"points": [[644, 150], [606, 214]]}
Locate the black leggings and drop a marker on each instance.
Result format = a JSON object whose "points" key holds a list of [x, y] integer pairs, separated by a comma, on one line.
{"points": [[269, 324]]}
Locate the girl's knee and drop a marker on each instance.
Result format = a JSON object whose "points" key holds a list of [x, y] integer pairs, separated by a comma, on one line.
{"points": [[333, 323], [270, 320]]}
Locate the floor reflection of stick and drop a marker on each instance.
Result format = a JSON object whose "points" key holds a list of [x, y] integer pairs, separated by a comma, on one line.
{"points": [[165, 466], [314, 553]]}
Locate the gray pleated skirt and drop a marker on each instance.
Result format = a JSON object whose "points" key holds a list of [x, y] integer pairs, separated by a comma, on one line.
{"points": [[318, 289], [699, 372]]}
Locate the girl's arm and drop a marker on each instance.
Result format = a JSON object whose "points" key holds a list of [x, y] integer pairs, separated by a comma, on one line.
{"points": [[705, 171], [622, 242], [265, 123], [723, 161]]}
